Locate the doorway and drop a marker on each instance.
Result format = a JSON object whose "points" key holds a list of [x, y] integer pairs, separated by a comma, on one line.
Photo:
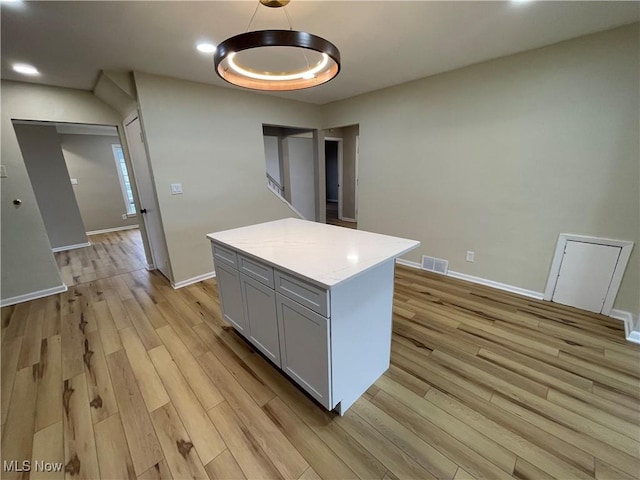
{"points": [[333, 180], [586, 272], [83, 191], [341, 175], [148, 204]]}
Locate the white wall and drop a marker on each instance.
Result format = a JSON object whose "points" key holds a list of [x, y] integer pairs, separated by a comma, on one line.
{"points": [[502, 156], [28, 265], [90, 161], [42, 154], [302, 177], [210, 139]]}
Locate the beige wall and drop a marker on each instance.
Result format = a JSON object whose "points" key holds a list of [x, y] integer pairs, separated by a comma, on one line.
{"points": [[27, 262], [503, 156], [40, 148], [210, 140], [90, 160], [349, 175]]}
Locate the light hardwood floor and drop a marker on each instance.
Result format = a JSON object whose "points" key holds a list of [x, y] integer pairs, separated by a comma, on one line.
{"points": [[332, 217], [124, 377]]}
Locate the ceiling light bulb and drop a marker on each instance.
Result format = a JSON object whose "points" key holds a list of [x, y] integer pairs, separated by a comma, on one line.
{"points": [[25, 69], [206, 47], [306, 74]]}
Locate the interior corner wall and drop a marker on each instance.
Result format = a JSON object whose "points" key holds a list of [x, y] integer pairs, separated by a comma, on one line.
{"points": [[501, 157], [302, 176], [28, 265], [272, 156], [349, 174], [210, 139], [42, 154], [91, 162]]}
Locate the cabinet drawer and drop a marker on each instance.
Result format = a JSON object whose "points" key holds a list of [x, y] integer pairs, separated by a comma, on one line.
{"points": [[225, 255], [305, 293], [256, 270]]}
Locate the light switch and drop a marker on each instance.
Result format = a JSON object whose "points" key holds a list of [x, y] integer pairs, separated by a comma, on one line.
{"points": [[176, 189], [74, 181]]}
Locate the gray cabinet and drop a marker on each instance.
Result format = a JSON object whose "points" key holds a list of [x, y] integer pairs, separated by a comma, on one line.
{"points": [[260, 315], [304, 348], [231, 296], [283, 316]]}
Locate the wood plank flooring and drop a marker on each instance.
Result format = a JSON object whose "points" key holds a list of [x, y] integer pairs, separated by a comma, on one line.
{"points": [[124, 377]]}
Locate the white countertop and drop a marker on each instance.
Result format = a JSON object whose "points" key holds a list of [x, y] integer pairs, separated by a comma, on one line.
{"points": [[325, 254]]}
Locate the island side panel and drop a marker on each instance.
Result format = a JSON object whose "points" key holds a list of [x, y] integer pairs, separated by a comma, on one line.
{"points": [[361, 311]]}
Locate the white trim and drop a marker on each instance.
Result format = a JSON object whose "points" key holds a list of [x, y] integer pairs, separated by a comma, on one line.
{"points": [[631, 326], [500, 286], [189, 281], [355, 190], [482, 281], [123, 188], [70, 247], [284, 200], [408, 263], [616, 279], [33, 295], [116, 229], [347, 219], [340, 163], [150, 267]]}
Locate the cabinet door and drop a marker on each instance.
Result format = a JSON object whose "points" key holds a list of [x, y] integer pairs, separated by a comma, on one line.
{"points": [[231, 297], [260, 312], [304, 347]]}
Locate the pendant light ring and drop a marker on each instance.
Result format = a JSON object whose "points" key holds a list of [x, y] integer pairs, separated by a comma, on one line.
{"points": [[318, 74]]}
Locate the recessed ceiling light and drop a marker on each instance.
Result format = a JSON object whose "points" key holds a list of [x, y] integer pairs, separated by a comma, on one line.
{"points": [[25, 69], [206, 47]]}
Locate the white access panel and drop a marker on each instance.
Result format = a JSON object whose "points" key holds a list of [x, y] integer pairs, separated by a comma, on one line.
{"points": [[585, 275]]}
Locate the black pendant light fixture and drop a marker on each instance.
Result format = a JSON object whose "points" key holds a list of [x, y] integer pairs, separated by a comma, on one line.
{"points": [[245, 60]]}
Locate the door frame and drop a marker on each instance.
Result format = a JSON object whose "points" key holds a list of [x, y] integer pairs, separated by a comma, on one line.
{"points": [[355, 190], [625, 252], [339, 140], [151, 261]]}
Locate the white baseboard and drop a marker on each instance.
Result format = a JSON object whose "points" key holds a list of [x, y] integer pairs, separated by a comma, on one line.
{"points": [[500, 286], [347, 219], [408, 263], [116, 229], [631, 324], [481, 281], [189, 281], [71, 247], [5, 302]]}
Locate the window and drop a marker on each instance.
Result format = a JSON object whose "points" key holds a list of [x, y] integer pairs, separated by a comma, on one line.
{"points": [[125, 181]]}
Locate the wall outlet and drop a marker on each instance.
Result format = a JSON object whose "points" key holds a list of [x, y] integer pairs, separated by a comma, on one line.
{"points": [[176, 188], [471, 256], [74, 181], [124, 216]]}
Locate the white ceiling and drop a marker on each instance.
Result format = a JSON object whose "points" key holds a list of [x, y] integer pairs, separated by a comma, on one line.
{"points": [[382, 43]]}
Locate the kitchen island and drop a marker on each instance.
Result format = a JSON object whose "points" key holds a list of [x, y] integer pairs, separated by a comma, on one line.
{"points": [[315, 299]]}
